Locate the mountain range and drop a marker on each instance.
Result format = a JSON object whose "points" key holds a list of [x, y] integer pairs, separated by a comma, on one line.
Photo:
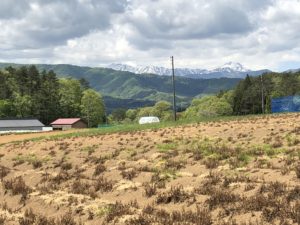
{"points": [[229, 70], [122, 89]]}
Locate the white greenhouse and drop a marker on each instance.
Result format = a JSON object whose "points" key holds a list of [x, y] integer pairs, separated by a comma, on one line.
{"points": [[149, 119]]}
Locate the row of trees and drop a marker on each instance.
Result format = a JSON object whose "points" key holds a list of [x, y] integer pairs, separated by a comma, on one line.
{"points": [[216, 105], [247, 97], [162, 109], [219, 105], [26, 92]]}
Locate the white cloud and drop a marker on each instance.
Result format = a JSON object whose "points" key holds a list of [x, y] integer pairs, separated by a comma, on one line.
{"points": [[13, 9], [199, 33]]}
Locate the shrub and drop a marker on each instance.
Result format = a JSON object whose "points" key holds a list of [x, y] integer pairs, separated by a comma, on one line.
{"points": [[17, 186], [116, 211], [79, 187], [160, 181], [103, 185], [67, 219], [129, 174], [297, 170], [211, 162], [3, 172], [37, 164], [100, 168], [31, 218], [175, 195], [66, 166], [201, 216], [221, 197], [150, 189]]}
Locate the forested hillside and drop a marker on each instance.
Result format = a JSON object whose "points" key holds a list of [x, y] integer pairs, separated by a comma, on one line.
{"points": [[35, 92], [141, 89], [26, 92], [246, 98], [247, 94]]}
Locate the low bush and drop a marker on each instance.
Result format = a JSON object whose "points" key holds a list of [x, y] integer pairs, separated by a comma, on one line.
{"points": [[175, 195]]}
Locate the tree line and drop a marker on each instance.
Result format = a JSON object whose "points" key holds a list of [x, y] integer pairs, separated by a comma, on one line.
{"points": [[26, 92], [248, 96], [245, 98], [161, 109]]}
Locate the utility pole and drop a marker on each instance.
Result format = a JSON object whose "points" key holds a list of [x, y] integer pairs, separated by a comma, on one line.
{"points": [[174, 91], [262, 95]]}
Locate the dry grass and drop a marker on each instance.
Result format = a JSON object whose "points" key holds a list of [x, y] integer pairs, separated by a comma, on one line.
{"points": [[233, 172]]}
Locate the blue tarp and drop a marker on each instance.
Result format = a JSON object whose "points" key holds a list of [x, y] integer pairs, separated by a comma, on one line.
{"points": [[286, 104]]}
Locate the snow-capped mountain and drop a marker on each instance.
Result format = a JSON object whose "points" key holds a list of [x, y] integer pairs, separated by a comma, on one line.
{"points": [[230, 70], [155, 70], [231, 66]]}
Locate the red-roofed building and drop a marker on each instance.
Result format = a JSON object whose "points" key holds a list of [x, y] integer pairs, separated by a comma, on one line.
{"points": [[68, 123]]}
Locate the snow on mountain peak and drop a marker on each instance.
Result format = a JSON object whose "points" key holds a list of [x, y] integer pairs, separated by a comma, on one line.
{"points": [[227, 67], [230, 69], [234, 66], [121, 67]]}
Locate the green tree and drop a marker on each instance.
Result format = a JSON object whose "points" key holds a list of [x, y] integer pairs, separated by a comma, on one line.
{"points": [[22, 78], [70, 96], [162, 109], [84, 84], [49, 99], [163, 106], [92, 107], [146, 111], [247, 96], [34, 80], [131, 114], [118, 115], [208, 106], [228, 96], [6, 108], [5, 87], [22, 105]]}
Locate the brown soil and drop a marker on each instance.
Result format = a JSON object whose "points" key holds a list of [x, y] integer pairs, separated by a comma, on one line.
{"points": [[236, 172], [7, 138]]}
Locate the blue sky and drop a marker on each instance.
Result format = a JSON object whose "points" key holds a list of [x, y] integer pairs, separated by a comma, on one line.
{"points": [[199, 33], [288, 65]]}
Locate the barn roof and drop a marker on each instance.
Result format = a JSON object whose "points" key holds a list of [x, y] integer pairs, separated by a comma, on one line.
{"points": [[65, 121], [10, 123]]}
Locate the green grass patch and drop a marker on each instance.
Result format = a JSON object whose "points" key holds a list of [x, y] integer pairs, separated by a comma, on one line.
{"points": [[244, 157], [165, 147], [30, 159], [169, 174], [103, 211], [292, 140], [89, 149]]}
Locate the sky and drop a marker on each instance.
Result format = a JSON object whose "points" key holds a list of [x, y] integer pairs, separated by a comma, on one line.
{"points": [[260, 34]]}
